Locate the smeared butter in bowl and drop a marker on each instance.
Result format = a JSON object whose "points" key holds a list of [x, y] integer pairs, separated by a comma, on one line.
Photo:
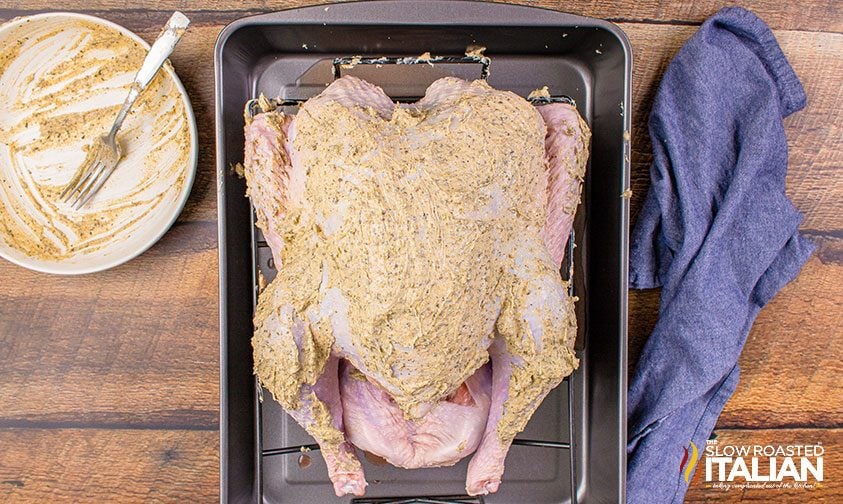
{"points": [[63, 78]]}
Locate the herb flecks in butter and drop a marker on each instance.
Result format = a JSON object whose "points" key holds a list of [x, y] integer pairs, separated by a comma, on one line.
{"points": [[416, 242]]}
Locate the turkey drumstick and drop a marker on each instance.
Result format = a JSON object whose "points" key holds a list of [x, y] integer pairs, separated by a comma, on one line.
{"points": [[418, 311]]}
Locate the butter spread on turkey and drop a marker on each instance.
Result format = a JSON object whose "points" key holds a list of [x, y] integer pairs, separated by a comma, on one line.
{"points": [[412, 295], [409, 240]]}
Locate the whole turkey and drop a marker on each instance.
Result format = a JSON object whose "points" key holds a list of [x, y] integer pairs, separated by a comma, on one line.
{"points": [[418, 312]]}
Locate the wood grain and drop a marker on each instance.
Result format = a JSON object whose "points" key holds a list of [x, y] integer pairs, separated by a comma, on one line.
{"points": [[813, 15], [181, 267], [162, 370], [815, 134], [829, 491], [136, 345], [91, 465], [790, 365], [193, 61], [109, 382]]}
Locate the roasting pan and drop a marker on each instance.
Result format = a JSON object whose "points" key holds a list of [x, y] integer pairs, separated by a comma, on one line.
{"points": [[573, 449]]}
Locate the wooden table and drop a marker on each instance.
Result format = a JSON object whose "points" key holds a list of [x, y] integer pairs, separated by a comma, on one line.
{"points": [[109, 382]]}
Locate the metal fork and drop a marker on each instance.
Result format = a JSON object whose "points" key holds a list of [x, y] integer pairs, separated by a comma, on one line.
{"points": [[105, 153]]}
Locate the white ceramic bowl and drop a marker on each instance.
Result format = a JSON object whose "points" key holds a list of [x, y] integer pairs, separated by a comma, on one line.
{"points": [[52, 103]]}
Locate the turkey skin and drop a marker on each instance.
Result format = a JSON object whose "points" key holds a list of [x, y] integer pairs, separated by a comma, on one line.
{"points": [[418, 312]]}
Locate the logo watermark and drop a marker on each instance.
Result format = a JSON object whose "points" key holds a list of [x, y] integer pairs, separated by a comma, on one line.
{"points": [[770, 466], [689, 469]]}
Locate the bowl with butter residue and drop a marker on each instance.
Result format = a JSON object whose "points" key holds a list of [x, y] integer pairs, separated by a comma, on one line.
{"points": [[63, 77]]}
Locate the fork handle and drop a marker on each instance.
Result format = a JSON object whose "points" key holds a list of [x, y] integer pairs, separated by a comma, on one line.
{"points": [[155, 58]]}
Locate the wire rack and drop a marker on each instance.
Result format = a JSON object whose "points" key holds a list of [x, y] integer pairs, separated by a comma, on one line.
{"points": [[267, 269]]}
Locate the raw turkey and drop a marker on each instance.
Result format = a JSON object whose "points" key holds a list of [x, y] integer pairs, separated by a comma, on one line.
{"points": [[418, 312]]}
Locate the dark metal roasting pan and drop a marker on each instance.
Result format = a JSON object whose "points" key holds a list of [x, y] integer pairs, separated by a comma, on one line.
{"points": [[573, 449]]}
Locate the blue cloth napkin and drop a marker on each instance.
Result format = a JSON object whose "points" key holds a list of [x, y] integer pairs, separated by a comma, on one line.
{"points": [[717, 233]]}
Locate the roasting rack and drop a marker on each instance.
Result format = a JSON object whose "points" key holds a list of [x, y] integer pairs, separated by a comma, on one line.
{"points": [[256, 105], [260, 248]]}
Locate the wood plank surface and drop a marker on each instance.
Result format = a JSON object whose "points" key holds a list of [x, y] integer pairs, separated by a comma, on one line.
{"points": [[96, 466], [791, 369], [136, 345], [790, 366], [815, 134], [193, 59], [812, 15], [183, 263], [170, 360], [109, 382]]}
